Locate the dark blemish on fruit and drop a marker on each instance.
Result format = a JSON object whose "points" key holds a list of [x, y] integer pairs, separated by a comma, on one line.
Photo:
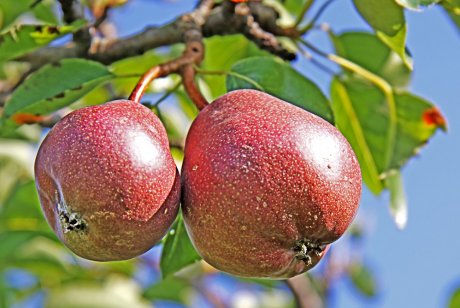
{"points": [[70, 221], [306, 249]]}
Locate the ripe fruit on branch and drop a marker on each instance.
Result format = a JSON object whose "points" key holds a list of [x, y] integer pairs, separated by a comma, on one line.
{"points": [[266, 185], [107, 182]]}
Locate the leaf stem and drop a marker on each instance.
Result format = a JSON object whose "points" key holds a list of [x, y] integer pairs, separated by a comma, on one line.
{"points": [[303, 12], [315, 18], [315, 62]]}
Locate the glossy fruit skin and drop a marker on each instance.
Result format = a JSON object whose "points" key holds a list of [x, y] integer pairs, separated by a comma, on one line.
{"points": [[263, 179], [107, 183]]}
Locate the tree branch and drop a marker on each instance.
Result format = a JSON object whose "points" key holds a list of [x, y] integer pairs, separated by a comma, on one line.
{"points": [[73, 10], [219, 22]]}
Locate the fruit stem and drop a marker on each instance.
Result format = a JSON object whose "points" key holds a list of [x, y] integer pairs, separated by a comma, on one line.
{"points": [[144, 81], [184, 65], [190, 86]]}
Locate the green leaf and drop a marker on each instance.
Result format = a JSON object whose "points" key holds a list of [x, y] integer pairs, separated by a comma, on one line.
{"points": [[44, 258], [21, 210], [416, 4], [362, 115], [362, 279], [25, 38], [5, 300], [133, 66], [171, 288], [281, 80], [10, 10], [366, 50], [452, 8], [186, 104], [221, 53], [351, 109], [115, 292], [387, 19], [12, 241], [454, 301], [418, 120], [10, 129], [178, 251], [12, 172], [45, 12], [294, 6], [171, 124], [55, 86], [398, 201]]}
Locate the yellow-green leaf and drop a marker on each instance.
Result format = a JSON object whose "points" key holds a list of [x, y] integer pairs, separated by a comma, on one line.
{"points": [[26, 38]]}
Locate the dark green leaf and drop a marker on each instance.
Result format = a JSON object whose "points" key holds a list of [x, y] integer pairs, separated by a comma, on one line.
{"points": [[454, 301], [398, 202], [363, 279], [25, 38], [366, 50], [171, 288], [281, 80], [55, 86], [178, 251], [362, 115], [387, 19], [221, 53]]}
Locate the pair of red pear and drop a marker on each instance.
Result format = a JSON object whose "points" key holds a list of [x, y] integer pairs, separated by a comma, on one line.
{"points": [[266, 186]]}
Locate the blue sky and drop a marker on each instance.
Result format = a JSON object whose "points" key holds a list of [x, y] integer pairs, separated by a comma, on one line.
{"points": [[419, 266]]}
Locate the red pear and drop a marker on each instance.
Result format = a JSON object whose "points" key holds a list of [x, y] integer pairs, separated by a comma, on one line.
{"points": [[266, 185], [107, 183]]}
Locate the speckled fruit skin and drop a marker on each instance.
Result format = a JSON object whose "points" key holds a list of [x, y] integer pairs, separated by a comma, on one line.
{"points": [[263, 180], [107, 183]]}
